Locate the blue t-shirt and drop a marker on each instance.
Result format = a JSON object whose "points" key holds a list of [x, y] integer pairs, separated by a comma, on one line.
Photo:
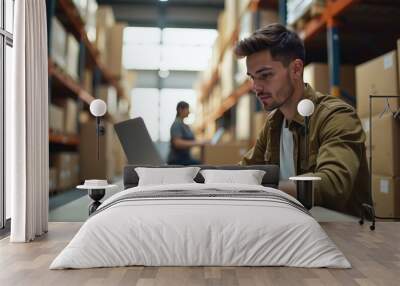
{"points": [[179, 130]]}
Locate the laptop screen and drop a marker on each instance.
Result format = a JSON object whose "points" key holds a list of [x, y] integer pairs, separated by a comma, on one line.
{"points": [[137, 143]]}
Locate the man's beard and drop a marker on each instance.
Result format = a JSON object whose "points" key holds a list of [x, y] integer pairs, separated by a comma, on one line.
{"points": [[285, 92]]}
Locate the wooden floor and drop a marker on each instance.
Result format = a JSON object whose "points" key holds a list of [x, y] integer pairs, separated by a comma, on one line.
{"points": [[375, 257]]}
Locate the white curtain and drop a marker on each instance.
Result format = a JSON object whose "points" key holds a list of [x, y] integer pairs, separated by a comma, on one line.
{"points": [[27, 158]]}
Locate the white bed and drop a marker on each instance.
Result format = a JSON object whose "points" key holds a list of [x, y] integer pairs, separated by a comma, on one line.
{"points": [[202, 231]]}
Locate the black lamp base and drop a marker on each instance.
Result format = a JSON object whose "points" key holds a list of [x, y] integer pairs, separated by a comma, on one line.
{"points": [[96, 195], [305, 193]]}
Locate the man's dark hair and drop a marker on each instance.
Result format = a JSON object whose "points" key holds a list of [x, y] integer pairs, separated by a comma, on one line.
{"points": [[283, 44], [181, 105]]}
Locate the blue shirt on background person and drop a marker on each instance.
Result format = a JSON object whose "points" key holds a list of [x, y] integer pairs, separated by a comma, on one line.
{"points": [[182, 139]]}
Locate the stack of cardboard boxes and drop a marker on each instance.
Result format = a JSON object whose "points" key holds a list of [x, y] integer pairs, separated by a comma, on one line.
{"points": [[64, 170], [109, 40], [380, 76], [107, 37], [64, 49], [64, 119], [317, 75], [56, 119], [224, 153]]}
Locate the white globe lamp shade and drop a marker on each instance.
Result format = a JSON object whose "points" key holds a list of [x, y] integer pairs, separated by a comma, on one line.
{"points": [[98, 108], [305, 107]]}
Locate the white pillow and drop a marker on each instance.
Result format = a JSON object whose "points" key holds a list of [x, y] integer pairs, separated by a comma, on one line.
{"points": [[163, 176], [248, 177]]}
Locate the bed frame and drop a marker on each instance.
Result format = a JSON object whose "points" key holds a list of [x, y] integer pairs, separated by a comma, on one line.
{"points": [[270, 179]]}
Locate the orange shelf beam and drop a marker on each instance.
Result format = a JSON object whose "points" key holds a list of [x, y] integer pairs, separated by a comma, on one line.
{"points": [[333, 9], [69, 82], [230, 101], [72, 140]]}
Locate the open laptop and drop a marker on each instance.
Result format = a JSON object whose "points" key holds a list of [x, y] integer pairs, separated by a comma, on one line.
{"points": [[137, 143]]}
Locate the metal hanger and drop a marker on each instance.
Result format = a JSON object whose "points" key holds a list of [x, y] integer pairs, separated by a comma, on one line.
{"points": [[387, 108]]}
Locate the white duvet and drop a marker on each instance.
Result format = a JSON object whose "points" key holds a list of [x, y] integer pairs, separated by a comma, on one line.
{"points": [[200, 231]]}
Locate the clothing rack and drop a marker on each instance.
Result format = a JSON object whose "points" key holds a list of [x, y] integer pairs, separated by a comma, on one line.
{"points": [[366, 207]]}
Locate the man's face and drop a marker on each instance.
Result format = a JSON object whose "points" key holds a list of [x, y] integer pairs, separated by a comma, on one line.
{"points": [[271, 79]]}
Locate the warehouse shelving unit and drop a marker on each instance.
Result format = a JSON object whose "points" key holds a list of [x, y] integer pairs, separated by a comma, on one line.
{"points": [[75, 25], [341, 34], [242, 89], [62, 85]]}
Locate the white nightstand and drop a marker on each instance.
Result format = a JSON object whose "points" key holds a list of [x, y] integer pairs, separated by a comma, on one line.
{"points": [[305, 193]]}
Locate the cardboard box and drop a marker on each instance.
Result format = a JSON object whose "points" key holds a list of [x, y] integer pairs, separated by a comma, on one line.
{"points": [[115, 36], [101, 41], [90, 166], [72, 59], [317, 75], [377, 77], [90, 25], [67, 166], [386, 195], [104, 21], [105, 16], [385, 144], [71, 117], [58, 48], [56, 119], [109, 95], [224, 154]]}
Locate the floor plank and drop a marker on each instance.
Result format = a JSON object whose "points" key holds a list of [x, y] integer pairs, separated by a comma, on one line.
{"points": [[374, 255]]}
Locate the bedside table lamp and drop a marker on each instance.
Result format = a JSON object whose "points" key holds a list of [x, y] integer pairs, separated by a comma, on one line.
{"points": [[98, 108], [305, 184], [306, 109], [96, 188]]}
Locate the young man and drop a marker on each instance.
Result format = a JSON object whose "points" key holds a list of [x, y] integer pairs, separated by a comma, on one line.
{"points": [[275, 60]]}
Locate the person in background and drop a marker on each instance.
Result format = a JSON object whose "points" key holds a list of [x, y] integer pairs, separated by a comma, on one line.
{"points": [[275, 59], [182, 139]]}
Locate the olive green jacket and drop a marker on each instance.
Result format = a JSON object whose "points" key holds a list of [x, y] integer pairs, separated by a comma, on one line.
{"points": [[336, 151]]}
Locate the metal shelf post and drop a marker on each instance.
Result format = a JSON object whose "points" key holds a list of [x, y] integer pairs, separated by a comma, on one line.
{"points": [[282, 12], [333, 44]]}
